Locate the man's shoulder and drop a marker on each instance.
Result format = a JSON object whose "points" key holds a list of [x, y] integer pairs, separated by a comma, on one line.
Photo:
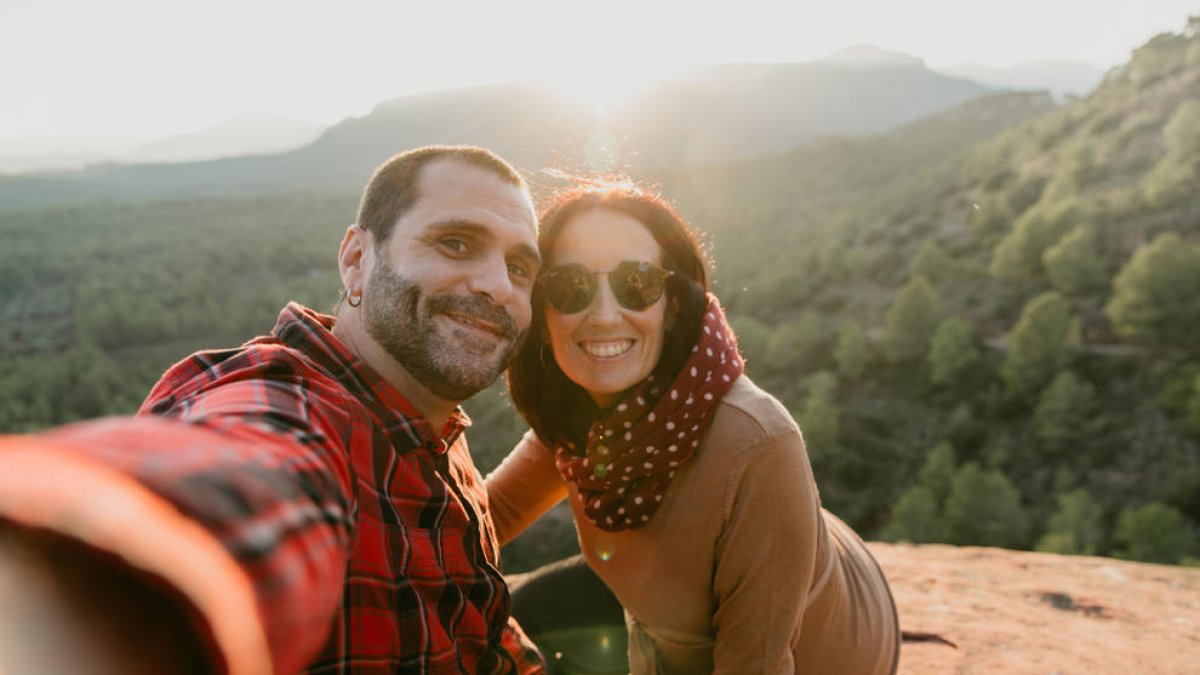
{"points": [[262, 359]]}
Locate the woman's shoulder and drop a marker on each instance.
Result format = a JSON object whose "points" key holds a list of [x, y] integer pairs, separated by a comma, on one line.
{"points": [[749, 414]]}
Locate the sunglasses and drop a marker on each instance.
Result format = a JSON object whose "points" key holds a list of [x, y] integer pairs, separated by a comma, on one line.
{"points": [[636, 285]]}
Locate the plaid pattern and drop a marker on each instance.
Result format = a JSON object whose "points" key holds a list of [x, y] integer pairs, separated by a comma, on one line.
{"points": [[365, 533]]}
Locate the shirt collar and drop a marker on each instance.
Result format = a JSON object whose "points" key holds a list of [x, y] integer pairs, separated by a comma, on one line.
{"points": [[312, 333]]}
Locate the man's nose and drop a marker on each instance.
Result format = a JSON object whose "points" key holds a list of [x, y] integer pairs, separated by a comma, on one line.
{"points": [[491, 278]]}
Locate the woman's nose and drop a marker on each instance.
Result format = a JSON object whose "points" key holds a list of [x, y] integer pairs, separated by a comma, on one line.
{"points": [[604, 309]]}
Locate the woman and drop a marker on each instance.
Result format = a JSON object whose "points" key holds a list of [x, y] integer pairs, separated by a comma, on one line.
{"points": [[690, 486]]}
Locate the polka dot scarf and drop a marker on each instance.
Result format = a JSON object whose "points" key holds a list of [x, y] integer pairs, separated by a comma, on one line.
{"points": [[633, 453]]}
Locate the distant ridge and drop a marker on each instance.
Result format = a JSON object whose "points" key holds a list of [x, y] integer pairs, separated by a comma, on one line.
{"points": [[1060, 78], [870, 55], [710, 114], [250, 134]]}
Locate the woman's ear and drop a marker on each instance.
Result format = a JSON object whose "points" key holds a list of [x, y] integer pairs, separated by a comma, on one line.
{"points": [[671, 314]]}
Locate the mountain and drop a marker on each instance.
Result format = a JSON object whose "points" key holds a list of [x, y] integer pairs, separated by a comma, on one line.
{"points": [[1061, 78], [710, 114], [870, 55], [250, 134], [28, 155], [244, 135], [735, 111]]}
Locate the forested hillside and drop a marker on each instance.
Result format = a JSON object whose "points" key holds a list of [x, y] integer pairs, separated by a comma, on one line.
{"points": [[999, 346], [985, 321]]}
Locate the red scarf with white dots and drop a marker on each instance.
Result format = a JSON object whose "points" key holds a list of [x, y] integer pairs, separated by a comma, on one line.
{"points": [[634, 452]]}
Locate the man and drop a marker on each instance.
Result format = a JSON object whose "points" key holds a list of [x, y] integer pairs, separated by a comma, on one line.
{"points": [[306, 501]]}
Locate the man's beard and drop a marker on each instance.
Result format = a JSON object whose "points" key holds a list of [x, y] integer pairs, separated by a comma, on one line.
{"points": [[400, 317]]}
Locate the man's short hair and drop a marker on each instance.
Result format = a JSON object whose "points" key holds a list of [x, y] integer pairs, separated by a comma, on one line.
{"points": [[393, 187]]}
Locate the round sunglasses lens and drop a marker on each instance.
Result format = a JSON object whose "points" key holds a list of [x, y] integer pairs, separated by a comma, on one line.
{"points": [[637, 285], [569, 288]]}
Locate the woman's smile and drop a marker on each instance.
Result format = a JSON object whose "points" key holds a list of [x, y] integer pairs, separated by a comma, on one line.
{"points": [[607, 349]]}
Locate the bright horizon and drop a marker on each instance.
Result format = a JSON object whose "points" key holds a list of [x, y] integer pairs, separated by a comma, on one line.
{"points": [[143, 69]]}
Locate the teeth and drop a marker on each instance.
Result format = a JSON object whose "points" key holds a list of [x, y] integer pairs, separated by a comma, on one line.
{"points": [[607, 349]]}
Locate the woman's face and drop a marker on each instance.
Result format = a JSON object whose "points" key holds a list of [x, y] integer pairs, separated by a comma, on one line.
{"points": [[606, 349]]}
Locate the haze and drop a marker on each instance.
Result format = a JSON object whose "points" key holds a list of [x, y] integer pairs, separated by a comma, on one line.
{"points": [[140, 69]]}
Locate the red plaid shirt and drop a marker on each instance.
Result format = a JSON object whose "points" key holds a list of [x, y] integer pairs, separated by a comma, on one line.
{"points": [[362, 535]]}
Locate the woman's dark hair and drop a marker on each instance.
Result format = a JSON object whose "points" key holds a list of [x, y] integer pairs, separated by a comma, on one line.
{"points": [[557, 409]]}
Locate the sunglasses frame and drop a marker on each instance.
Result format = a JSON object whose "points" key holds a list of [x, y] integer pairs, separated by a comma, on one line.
{"points": [[591, 286]]}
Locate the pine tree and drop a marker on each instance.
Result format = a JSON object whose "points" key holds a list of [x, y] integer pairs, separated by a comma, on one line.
{"points": [[1061, 419], [1037, 345], [911, 321], [914, 517], [1077, 526], [853, 351], [937, 473], [1073, 265], [1154, 532], [983, 509], [1156, 296], [953, 351]]}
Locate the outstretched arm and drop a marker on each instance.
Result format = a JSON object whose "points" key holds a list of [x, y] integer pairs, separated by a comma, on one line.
{"points": [[240, 505]]}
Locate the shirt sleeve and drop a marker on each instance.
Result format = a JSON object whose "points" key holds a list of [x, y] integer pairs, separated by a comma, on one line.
{"points": [[765, 557], [241, 498], [523, 487]]}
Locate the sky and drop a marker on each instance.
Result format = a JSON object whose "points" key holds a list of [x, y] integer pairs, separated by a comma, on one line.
{"points": [[143, 69]]}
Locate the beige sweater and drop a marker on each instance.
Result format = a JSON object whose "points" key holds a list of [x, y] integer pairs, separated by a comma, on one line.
{"points": [[740, 570]]}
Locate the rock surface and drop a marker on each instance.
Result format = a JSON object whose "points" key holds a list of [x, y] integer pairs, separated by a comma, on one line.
{"points": [[1022, 612]]}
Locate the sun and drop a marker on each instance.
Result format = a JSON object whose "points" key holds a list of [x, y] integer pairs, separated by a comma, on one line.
{"points": [[604, 90]]}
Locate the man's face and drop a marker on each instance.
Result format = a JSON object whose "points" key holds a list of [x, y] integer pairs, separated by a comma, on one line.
{"points": [[448, 291]]}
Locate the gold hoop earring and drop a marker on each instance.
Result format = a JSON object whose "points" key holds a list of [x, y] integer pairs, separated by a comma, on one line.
{"points": [[350, 296]]}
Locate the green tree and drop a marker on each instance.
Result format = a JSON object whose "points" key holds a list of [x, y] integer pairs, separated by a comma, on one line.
{"points": [[1037, 346], [992, 218], [1019, 256], [1062, 417], [983, 509], [794, 346], [1156, 296], [819, 415], [752, 336], [1194, 407], [1176, 175], [932, 262], [952, 352], [1073, 265], [1154, 532], [853, 350], [937, 473], [911, 321], [1076, 528], [914, 517]]}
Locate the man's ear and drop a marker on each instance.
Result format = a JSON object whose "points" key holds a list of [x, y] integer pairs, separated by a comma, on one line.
{"points": [[353, 259]]}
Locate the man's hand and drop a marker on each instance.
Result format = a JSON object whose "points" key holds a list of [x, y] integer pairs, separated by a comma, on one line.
{"points": [[70, 609]]}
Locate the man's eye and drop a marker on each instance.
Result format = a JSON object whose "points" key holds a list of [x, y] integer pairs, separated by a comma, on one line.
{"points": [[519, 270], [454, 245]]}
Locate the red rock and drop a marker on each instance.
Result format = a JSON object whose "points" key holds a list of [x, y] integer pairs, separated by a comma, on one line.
{"points": [[1022, 612]]}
